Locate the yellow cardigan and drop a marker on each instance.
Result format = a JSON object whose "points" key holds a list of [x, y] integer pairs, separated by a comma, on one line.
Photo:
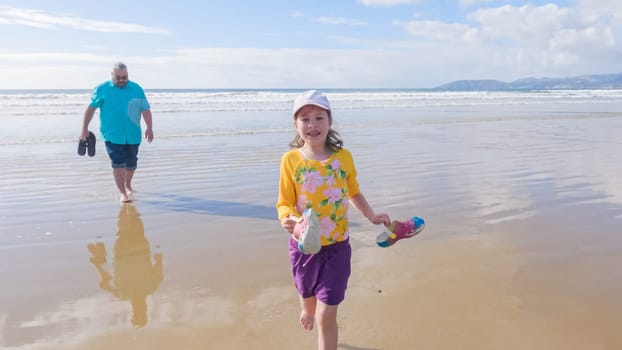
{"points": [[325, 186]]}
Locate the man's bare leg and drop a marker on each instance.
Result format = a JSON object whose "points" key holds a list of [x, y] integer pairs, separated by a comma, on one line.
{"points": [[129, 174], [119, 175]]}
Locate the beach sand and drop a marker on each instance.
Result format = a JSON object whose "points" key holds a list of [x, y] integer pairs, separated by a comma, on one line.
{"points": [[521, 248]]}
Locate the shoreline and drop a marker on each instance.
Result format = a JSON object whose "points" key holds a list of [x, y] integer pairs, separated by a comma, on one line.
{"points": [[519, 250]]}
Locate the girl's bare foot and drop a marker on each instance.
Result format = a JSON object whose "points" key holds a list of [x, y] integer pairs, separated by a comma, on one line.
{"points": [[306, 320], [124, 198], [307, 315]]}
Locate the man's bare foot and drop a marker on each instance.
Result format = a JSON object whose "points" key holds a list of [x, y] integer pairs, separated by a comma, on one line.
{"points": [[125, 198], [130, 193], [307, 320]]}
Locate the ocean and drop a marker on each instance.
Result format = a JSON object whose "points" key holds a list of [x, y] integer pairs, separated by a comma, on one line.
{"points": [[521, 193], [52, 116], [570, 138]]}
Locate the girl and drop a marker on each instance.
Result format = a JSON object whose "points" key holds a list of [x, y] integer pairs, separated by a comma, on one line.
{"points": [[319, 173]]}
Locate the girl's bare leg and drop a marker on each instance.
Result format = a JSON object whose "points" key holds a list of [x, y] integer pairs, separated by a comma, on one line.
{"points": [[328, 332], [307, 315]]}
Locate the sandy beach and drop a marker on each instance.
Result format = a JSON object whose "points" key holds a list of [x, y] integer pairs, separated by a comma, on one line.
{"points": [[521, 248]]}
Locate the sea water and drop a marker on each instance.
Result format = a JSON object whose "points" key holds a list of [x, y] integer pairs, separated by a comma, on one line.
{"points": [[52, 116], [521, 189]]}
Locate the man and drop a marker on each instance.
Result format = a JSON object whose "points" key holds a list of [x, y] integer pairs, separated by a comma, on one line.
{"points": [[121, 103]]}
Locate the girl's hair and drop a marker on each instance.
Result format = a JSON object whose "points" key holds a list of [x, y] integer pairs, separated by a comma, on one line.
{"points": [[333, 140]]}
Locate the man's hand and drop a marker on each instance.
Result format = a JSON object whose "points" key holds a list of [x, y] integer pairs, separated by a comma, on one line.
{"points": [[149, 134]]}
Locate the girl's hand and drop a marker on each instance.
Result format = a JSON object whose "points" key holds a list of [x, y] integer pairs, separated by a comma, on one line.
{"points": [[288, 224], [381, 218]]}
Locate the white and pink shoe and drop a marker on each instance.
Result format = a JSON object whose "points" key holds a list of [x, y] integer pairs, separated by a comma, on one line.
{"points": [[307, 232]]}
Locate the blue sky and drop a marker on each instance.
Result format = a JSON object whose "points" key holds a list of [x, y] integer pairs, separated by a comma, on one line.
{"points": [[300, 44]]}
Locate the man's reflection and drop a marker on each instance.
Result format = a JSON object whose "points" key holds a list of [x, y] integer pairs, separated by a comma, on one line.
{"points": [[133, 275]]}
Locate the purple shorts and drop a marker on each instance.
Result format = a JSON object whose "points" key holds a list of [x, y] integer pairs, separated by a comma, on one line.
{"points": [[323, 275]]}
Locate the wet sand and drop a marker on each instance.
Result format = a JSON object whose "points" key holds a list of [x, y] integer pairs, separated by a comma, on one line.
{"points": [[521, 249]]}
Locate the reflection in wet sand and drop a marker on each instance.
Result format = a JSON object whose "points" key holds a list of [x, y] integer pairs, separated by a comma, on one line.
{"points": [[134, 276], [521, 250]]}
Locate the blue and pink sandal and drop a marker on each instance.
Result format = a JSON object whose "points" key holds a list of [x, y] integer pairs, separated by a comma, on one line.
{"points": [[400, 230]]}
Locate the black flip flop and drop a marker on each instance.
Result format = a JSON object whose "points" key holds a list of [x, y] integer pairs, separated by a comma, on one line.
{"points": [[89, 144]]}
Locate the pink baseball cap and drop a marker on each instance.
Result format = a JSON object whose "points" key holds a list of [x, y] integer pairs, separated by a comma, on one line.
{"points": [[311, 97]]}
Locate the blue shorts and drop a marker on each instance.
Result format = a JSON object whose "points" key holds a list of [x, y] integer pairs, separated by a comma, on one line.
{"points": [[122, 156], [323, 275]]}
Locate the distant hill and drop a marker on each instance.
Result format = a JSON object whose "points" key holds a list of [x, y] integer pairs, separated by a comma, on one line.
{"points": [[599, 81]]}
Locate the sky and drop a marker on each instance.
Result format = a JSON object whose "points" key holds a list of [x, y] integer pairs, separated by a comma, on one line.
{"points": [[72, 44]]}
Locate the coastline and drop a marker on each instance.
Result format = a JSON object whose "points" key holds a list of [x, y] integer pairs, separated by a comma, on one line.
{"points": [[519, 250]]}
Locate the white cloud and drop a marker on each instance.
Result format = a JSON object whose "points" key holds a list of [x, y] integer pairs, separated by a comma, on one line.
{"points": [[340, 20], [436, 30], [387, 3], [43, 20], [608, 7], [50, 57], [296, 14], [512, 42], [551, 36], [467, 3], [526, 24], [505, 43], [225, 68]]}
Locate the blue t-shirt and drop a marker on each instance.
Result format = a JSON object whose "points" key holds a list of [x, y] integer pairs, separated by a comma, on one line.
{"points": [[120, 111]]}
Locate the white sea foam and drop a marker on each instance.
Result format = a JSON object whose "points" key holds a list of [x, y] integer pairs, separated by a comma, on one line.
{"points": [[56, 116], [58, 103]]}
